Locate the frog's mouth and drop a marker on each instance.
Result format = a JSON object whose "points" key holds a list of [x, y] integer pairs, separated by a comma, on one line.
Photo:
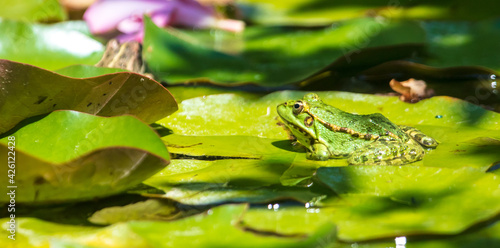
{"points": [[295, 126]]}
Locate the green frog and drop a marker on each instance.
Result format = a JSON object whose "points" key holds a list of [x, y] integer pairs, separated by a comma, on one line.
{"points": [[328, 132]]}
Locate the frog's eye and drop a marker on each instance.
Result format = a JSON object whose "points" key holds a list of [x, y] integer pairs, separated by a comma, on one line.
{"points": [[298, 107], [308, 121]]}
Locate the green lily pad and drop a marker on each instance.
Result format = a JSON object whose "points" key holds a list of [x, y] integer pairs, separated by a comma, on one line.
{"points": [[32, 10], [233, 146], [487, 236], [75, 213], [471, 147], [152, 209], [184, 92], [196, 231], [296, 169], [85, 71], [238, 116], [248, 128], [463, 44], [231, 180], [479, 152], [69, 155], [287, 220], [425, 198], [233, 172], [232, 114], [324, 12], [380, 202], [281, 153], [50, 46], [29, 91], [269, 56], [203, 194]]}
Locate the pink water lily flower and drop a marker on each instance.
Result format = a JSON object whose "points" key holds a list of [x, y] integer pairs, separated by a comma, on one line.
{"points": [[125, 17]]}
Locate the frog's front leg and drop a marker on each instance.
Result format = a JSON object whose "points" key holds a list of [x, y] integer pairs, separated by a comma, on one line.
{"points": [[420, 137], [318, 151], [387, 153]]}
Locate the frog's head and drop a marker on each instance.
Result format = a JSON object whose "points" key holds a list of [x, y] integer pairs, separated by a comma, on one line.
{"points": [[296, 117]]}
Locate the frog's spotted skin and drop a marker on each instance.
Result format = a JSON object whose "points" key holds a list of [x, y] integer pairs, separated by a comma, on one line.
{"points": [[328, 132], [388, 153], [420, 137]]}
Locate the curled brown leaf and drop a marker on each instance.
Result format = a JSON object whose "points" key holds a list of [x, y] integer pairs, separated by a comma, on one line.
{"points": [[411, 90]]}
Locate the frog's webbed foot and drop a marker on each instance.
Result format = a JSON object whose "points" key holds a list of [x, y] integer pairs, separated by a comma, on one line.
{"points": [[387, 153], [420, 137], [319, 152]]}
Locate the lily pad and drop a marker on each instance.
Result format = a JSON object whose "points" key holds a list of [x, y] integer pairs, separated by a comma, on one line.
{"points": [[280, 153], [152, 209], [232, 172], [208, 194], [423, 197], [202, 230], [269, 56], [75, 213], [69, 155], [296, 169], [85, 71], [233, 146], [50, 46], [385, 201], [324, 12], [464, 146], [463, 44], [32, 10], [231, 180], [233, 126], [29, 91], [184, 92], [219, 114]]}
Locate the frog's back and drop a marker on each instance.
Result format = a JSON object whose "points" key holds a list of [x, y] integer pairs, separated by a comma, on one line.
{"points": [[383, 125], [373, 124]]}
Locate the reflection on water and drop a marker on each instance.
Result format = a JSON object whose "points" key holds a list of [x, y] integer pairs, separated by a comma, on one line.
{"points": [[311, 209], [400, 242], [494, 83], [274, 207]]}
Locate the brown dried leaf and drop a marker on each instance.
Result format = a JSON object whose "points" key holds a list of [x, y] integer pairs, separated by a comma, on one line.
{"points": [[411, 90]]}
